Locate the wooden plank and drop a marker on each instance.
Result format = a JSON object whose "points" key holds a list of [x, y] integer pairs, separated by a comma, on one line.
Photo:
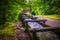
{"points": [[44, 29], [35, 20], [31, 20]]}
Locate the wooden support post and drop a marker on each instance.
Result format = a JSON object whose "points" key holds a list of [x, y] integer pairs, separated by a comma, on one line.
{"points": [[34, 36], [26, 27]]}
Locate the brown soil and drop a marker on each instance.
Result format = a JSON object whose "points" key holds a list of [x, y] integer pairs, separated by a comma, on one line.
{"points": [[6, 37], [19, 32]]}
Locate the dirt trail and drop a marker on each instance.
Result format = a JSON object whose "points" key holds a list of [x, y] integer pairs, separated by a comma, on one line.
{"points": [[50, 22], [19, 32]]}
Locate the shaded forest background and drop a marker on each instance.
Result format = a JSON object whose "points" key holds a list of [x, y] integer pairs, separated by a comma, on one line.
{"points": [[10, 9]]}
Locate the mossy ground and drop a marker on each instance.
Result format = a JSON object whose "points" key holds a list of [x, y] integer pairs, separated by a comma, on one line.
{"points": [[7, 29]]}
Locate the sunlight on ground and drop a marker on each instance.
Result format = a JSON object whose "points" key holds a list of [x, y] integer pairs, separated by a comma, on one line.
{"points": [[55, 17]]}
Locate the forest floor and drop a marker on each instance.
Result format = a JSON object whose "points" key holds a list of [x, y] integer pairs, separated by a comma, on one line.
{"points": [[19, 33], [16, 32], [7, 31], [13, 32], [51, 21]]}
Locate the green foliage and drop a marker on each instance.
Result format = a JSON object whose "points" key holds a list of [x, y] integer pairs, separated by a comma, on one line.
{"points": [[45, 7], [28, 13], [10, 9]]}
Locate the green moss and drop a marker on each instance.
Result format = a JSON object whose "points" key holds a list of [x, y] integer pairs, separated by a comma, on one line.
{"points": [[28, 13], [7, 29]]}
